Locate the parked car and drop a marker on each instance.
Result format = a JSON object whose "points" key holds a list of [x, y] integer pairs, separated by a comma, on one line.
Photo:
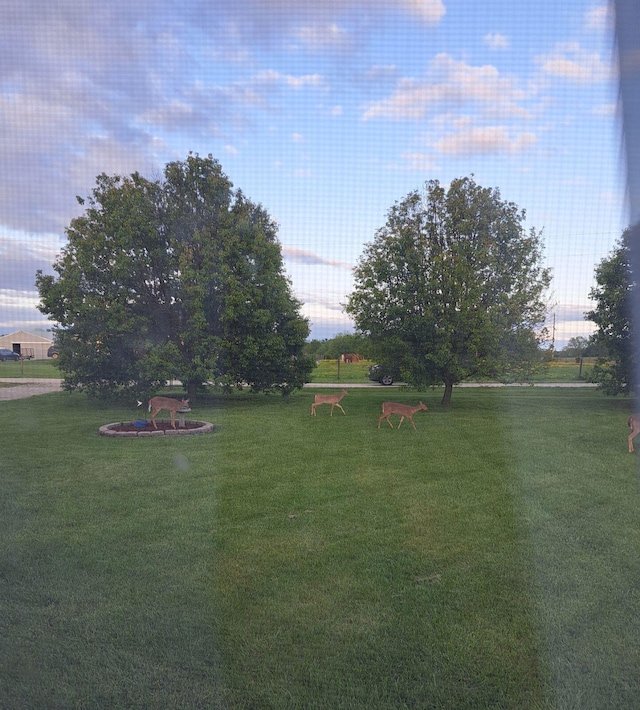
{"points": [[6, 354], [382, 374], [53, 352]]}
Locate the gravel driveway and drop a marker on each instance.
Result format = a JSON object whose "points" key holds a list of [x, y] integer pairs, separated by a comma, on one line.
{"points": [[21, 388]]}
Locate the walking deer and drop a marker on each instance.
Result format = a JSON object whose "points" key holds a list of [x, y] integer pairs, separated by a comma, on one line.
{"points": [[332, 399], [404, 410], [634, 425], [157, 404]]}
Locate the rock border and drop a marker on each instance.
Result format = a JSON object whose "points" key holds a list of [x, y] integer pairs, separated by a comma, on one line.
{"points": [[203, 428]]}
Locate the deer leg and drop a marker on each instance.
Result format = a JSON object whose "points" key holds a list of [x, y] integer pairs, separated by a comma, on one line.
{"points": [[401, 420], [388, 418], [412, 424], [153, 419], [340, 406], [631, 437]]}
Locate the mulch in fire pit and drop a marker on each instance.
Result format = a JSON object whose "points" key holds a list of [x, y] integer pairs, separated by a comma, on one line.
{"points": [[162, 426]]}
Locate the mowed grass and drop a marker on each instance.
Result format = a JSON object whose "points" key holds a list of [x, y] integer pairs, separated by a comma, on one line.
{"points": [[489, 559]]}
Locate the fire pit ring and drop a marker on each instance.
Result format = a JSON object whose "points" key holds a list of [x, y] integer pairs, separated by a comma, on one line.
{"points": [[133, 429]]}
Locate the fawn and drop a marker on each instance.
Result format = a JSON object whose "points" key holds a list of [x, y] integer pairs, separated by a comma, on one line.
{"points": [[332, 399], [404, 410]]}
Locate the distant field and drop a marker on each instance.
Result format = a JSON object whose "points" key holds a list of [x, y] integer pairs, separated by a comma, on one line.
{"points": [[488, 560], [566, 370], [559, 370], [29, 368], [334, 371]]}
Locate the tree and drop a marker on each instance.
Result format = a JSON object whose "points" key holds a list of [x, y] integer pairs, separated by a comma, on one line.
{"points": [[612, 315], [452, 285], [576, 347], [346, 343], [177, 277]]}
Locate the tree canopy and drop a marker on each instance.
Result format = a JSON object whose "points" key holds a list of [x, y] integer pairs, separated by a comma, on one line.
{"points": [[613, 317], [452, 285], [178, 277]]}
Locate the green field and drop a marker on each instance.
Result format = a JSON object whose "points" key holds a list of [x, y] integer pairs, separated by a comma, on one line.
{"points": [[490, 559], [29, 368], [559, 370]]}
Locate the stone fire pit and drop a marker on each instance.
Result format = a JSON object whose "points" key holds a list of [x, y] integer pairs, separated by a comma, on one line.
{"points": [[144, 429]]}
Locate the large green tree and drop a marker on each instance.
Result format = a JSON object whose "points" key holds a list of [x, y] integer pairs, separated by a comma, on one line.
{"points": [[180, 277], [613, 317], [452, 286]]}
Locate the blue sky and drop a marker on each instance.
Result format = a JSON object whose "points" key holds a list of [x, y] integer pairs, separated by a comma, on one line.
{"points": [[325, 112]]}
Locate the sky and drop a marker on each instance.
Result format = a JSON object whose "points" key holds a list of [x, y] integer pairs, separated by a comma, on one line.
{"points": [[326, 112]]}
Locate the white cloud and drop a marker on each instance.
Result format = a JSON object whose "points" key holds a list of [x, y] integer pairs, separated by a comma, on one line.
{"points": [[451, 85], [19, 310], [21, 256], [495, 40], [488, 140], [321, 36], [570, 61], [302, 256], [295, 82], [599, 18], [431, 11], [606, 110]]}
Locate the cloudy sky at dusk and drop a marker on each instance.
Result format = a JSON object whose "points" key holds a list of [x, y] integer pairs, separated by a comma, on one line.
{"points": [[326, 112]]}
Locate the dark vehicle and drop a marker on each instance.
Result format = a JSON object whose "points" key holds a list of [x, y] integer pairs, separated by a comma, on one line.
{"points": [[6, 354], [382, 374], [53, 352]]}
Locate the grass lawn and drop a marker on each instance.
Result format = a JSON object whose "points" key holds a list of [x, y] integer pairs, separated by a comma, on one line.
{"points": [[490, 559]]}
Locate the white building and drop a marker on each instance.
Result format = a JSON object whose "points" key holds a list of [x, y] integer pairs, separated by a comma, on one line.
{"points": [[26, 344]]}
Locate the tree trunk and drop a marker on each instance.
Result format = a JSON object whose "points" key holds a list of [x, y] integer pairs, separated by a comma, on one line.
{"points": [[446, 397], [192, 391]]}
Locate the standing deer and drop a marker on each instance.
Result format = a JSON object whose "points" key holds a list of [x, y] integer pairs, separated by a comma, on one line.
{"points": [[157, 404], [332, 399], [634, 425], [404, 410]]}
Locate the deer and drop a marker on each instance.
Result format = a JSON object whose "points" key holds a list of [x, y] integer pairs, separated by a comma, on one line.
{"points": [[157, 404], [634, 424], [332, 399], [404, 410]]}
